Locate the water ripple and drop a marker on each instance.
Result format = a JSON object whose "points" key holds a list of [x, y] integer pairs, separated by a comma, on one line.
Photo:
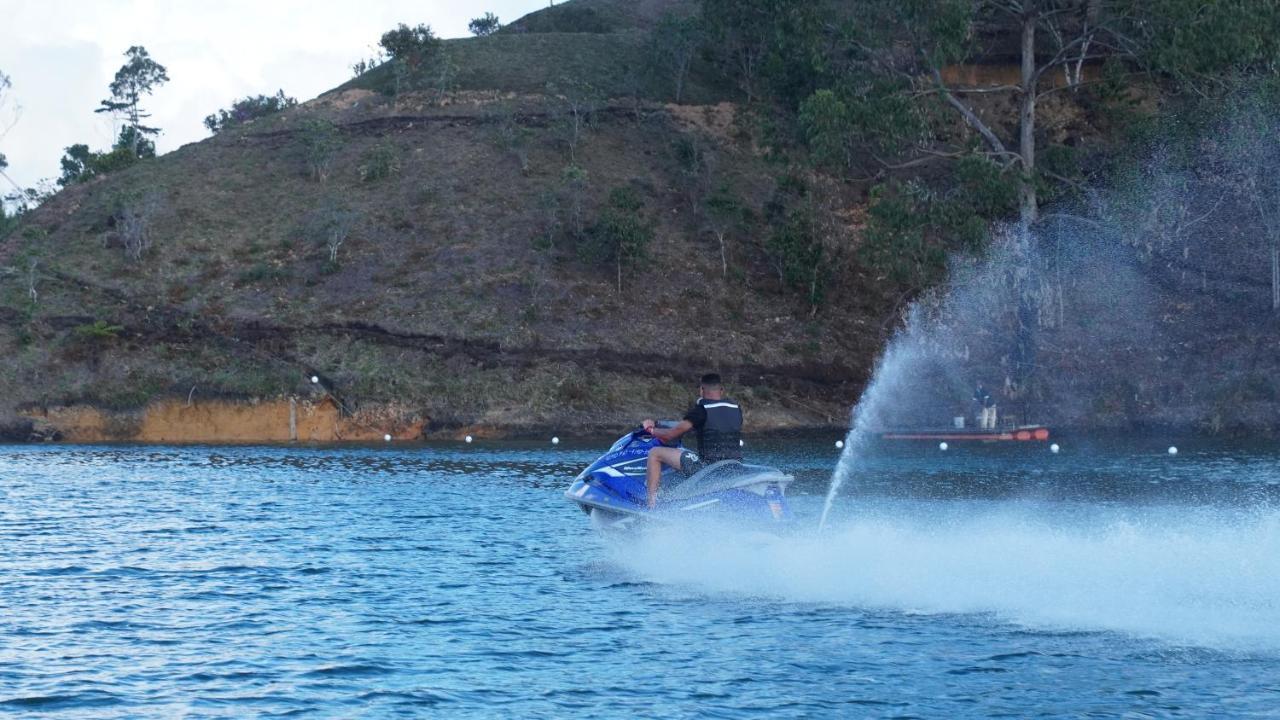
{"points": [[280, 582]]}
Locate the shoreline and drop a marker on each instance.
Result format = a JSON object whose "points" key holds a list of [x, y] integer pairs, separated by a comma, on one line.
{"points": [[318, 421]]}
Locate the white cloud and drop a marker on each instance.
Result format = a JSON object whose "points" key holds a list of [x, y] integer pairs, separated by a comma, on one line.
{"points": [[61, 55]]}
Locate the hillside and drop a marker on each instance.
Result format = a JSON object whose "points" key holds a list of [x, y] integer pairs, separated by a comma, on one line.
{"points": [[444, 304], [525, 240]]}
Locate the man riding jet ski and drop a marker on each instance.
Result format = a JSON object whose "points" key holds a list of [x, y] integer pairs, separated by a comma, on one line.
{"points": [[717, 422], [648, 474]]}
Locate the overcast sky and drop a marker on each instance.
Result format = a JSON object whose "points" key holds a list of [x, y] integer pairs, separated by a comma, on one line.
{"points": [[62, 54]]}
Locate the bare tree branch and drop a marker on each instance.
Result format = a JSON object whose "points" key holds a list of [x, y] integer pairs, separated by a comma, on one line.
{"points": [[969, 116]]}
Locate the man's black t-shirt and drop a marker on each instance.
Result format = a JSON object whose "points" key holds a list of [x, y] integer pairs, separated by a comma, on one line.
{"points": [[718, 425]]}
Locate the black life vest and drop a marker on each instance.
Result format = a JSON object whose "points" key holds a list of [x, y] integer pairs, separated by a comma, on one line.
{"points": [[720, 437]]}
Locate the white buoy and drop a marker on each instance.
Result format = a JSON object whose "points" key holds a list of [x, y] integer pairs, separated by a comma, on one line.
{"points": [[468, 439], [943, 446], [742, 443], [555, 441], [1173, 450], [386, 438], [839, 444], [1054, 448], [314, 379]]}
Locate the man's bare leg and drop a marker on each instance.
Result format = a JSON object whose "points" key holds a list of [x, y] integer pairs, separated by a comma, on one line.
{"points": [[658, 457]]}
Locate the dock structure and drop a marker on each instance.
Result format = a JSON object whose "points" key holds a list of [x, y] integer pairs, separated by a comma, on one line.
{"points": [[1021, 433]]}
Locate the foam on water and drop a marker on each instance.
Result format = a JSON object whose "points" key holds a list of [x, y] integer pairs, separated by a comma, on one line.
{"points": [[1200, 578]]}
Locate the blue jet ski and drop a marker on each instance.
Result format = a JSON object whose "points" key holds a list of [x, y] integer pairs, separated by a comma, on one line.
{"points": [[612, 490]]}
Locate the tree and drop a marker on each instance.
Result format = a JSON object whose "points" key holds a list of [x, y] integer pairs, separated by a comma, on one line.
{"points": [[5, 84], [320, 144], [79, 163], [698, 162], [133, 220], [485, 25], [7, 121], [509, 135], [578, 103], [248, 109], [808, 235], [673, 43], [743, 30], [574, 183], [621, 235], [723, 213], [410, 44], [752, 37], [410, 51], [134, 144], [1183, 39], [379, 162], [331, 226], [1200, 43], [7, 221], [138, 77], [441, 75]]}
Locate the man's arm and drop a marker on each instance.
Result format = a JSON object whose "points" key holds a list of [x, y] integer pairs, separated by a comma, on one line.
{"points": [[670, 434]]}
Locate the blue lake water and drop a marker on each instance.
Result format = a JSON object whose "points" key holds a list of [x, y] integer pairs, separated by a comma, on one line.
{"points": [[1107, 581]]}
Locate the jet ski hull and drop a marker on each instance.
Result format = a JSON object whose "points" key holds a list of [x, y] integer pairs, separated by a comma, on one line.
{"points": [[612, 491]]}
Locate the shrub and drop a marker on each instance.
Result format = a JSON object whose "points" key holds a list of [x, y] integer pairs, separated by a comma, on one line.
{"points": [[621, 235], [79, 163], [132, 221], [412, 44], [247, 109], [331, 226], [260, 273], [486, 24], [99, 330], [320, 143], [574, 183], [510, 137], [578, 102], [379, 162], [799, 256], [895, 241], [672, 46], [363, 66]]}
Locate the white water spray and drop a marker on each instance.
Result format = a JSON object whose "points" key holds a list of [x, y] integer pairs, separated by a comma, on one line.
{"points": [[1205, 577]]}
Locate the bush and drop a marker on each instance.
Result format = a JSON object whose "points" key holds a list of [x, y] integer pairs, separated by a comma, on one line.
{"points": [[260, 273], [799, 256], [412, 44], [621, 235], [132, 221], [99, 330], [79, 163], [320, 143], [379, 162], [485, 25], [895, 240], [247, 109], [331, 226]]}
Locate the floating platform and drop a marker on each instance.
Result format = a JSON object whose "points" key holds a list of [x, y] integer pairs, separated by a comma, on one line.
{"points": [[1022, 433]]}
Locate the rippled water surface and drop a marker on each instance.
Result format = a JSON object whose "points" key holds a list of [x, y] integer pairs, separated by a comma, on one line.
{"points": [[1108, 581]]}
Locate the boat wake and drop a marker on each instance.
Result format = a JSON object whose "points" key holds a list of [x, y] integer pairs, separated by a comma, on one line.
{"points": [[1185, 576]]}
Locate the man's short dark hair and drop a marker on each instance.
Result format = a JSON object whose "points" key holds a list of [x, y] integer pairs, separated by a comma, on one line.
{"points": [[711, 380]]}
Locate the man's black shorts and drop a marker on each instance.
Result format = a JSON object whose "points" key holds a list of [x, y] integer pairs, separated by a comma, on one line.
{"points": [[690, 463]]}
